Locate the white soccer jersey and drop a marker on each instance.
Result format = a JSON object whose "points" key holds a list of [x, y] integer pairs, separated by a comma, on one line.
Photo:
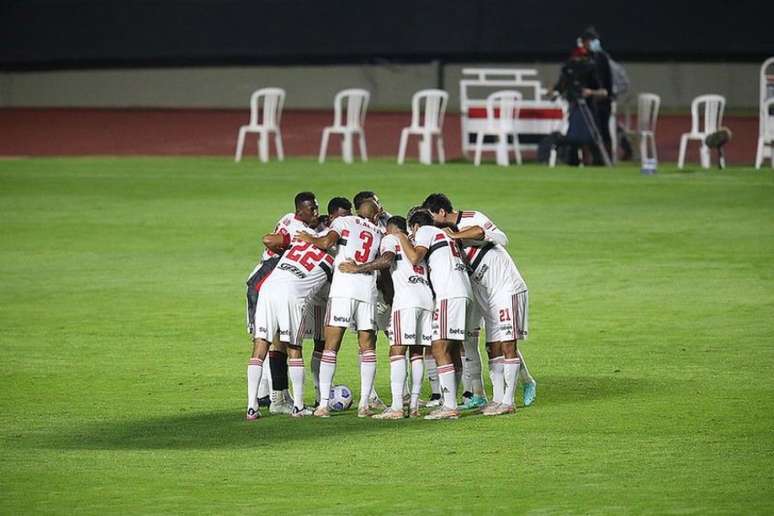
{"points": [[359, 241], [287, 226], [448, 274], [411, 282], [493, 268], [302, 271]]}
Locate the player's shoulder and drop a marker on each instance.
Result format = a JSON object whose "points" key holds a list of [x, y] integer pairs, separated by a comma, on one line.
{"points": [[389, 242], [287, 219]]}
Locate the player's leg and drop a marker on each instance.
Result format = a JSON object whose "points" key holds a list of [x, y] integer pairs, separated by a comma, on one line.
{"points": [[296, 371], [338, 316], [495, 353], [416, 357], [511, 365], [398, 375], [432, 377], [521, 321], [447, 321], [472, 369], [281, 402], [254, 371], [367, 344], [319, 347]]}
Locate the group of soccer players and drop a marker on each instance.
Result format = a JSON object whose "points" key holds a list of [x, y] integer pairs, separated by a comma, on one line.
{"points": [[429, 281]]}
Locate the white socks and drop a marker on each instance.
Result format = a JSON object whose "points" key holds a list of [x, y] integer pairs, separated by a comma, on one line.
{"points": [[327, 370], [296, 374], [316, 356], [432, 375], [417, 369], [397, 380], [498, 381], [510, 372], [367, 375], [254, 370], [446, 377]]}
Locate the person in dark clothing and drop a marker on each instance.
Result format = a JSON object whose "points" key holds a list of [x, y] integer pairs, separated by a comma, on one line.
{"points": [[579, 79], [589, 39]]}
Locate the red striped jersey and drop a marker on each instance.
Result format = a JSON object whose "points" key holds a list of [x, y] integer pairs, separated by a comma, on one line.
{"points": [[359, 241], [287, 226], [411, 282], [303, 270], [448, 273]]}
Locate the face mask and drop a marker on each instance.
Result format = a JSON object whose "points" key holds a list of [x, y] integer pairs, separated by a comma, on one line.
{"points": [[595, 45]]}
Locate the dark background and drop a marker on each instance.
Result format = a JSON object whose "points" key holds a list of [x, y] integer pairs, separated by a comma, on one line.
{"points": [[51, 34]]}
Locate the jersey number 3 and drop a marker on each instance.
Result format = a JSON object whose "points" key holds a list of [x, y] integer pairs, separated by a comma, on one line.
{"points": [[361, 256]]}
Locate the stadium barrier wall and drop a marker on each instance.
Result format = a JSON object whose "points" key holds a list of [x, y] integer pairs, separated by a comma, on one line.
{"points": [[313, 87]]}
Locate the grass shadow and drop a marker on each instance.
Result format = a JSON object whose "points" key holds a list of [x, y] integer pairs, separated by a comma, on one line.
{"points": [[226, 428]]}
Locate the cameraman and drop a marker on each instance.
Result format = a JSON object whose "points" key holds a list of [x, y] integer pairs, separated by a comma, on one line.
{"points": [[589, 38], [579, 79]]}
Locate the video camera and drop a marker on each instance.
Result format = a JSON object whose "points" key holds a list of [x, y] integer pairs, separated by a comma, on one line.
{"points": [[576, 74]]}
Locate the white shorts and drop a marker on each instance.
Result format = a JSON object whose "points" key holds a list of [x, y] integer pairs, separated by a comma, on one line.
{"points": [[454, 318], [277, 313], [506, 317], [314, 322], [343, 311], [411, 327]]}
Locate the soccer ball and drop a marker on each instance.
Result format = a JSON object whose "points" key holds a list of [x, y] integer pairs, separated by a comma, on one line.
{"points": [[341, 398]]}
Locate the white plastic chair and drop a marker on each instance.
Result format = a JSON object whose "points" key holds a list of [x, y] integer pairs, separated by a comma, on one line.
{"points": [[765, 116], [265, 114], [766, 135], [347, 124], [502, 111], [647, 116], [427, 110], [711, 107]]}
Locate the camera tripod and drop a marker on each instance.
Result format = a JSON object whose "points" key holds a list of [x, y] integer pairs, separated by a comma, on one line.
{"points": [[593, 129]]}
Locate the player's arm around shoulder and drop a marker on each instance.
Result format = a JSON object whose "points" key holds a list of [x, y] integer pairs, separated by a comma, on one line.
{"points": [[326, 241], [414, 253]]}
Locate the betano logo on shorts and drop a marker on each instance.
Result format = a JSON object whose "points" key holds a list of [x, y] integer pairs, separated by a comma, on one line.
{"points": [[338, 318], [409, 336], [456, 331]]}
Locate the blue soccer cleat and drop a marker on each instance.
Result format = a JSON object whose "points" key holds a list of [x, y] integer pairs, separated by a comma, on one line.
{"points": [[475, 401], [529, 392]]}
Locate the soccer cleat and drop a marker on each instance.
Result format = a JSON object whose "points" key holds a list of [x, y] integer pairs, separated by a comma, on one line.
{"points": [[414, 412], [466, 396], [501, 409], [376, 403], [490, 408], [364, 412], [264, 402], [435, 401], [281, 407], [476, 401], [322, 411], [529, 391], [443, 413], [252, 414], [297, 412], [389, 414]]}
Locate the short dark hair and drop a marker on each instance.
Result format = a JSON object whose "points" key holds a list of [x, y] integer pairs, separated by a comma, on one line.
{"points": [[413, 210], [397, 221], [362, 196], [302, 197], [436, 202], [339, 202], [422, 218]]}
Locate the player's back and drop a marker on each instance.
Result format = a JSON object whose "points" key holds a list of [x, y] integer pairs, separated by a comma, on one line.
{"points": [[302, 270], [359, 241], [448, 273], [411, 282], [492, 265]]}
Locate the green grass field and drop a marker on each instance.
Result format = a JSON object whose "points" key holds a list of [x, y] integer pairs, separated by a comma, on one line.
{"points": [[123, 348]]}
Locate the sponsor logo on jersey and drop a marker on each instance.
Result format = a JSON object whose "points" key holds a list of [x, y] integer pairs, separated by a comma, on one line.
{"points": [[293, 270], [479, 276], [460, 267], [417, 279], [507, 329]]}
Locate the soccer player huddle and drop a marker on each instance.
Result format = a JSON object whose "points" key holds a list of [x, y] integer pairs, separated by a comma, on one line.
{"points": [[431, 281]]}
